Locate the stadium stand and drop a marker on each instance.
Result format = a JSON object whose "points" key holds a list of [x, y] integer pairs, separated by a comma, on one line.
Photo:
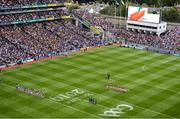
{"points": [[35, 41], [170, 41], [20, 43]]}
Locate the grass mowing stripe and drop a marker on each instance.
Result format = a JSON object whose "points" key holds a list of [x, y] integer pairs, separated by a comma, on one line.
{"points": [[78, 109], [164, 103], [143, 108], [87, 71]]}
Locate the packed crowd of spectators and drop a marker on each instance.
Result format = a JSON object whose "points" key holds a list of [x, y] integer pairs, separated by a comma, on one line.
{"points": [[39, 40], [169, 41]]}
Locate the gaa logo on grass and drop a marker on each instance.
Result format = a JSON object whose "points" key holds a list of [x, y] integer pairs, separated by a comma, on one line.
{"points": [[67, 95], [116, 112], [71, 96]]}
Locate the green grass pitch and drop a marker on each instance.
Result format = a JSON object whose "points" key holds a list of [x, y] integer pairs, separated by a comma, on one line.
{"points": [[153, 80]]}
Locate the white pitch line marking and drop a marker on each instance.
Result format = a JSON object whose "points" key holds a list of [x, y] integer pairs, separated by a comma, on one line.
{"points": [[76, 109]]}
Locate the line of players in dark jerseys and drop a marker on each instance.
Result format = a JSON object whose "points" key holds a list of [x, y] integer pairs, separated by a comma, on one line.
{"points": [[91, 100]]}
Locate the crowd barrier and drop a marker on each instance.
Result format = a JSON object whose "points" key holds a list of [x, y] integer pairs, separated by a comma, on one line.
{"points": [[177, 55], [152, 49], [51, 54], [133, 45], [159, 50]]}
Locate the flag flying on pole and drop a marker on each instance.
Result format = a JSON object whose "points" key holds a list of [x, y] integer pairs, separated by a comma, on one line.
{"points": [[122, 2], [119, 1]]}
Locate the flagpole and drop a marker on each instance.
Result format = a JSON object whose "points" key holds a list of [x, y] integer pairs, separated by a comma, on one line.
{"points": [[120, 16], [122, 4], [126, 10], [115, 16]]}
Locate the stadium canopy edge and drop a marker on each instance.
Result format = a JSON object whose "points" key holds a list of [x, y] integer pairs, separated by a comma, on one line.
{"points": [[32, 6]]}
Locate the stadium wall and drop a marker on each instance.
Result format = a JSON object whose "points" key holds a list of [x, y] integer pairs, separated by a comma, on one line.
{"points": [[147, 48]]}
